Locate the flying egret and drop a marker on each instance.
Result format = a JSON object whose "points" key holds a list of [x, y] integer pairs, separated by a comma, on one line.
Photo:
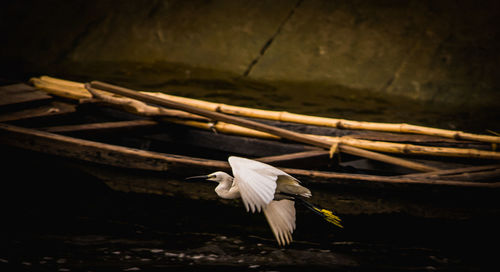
{"points": [[263, 187]]}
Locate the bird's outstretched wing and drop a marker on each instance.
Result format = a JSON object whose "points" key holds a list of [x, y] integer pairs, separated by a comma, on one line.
{"points": [[256, 182], [281, 217]]}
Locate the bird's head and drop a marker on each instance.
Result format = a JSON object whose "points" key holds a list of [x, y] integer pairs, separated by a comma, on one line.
{"points": [[216, 176]]}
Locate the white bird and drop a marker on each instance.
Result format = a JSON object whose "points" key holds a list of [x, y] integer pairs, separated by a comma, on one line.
{"points": [[263, 187]]}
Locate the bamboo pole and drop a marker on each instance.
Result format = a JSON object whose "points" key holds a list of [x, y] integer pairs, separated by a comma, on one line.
{"points": [[307, 119], [388, 147], [287, 134], [411, 149], [77, 91], [330, 122], [120, 156], [63, 82], [293, 156], [104, 126], [140, 108], [65, 91]]}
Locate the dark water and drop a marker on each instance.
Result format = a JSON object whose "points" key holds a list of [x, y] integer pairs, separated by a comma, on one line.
{"points": [[56, 218]]}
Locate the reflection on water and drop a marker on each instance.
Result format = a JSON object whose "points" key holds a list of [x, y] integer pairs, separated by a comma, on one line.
{"points": [[73, 222]]}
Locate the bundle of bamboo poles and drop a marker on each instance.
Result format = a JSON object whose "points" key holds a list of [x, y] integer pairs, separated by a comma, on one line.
{"points": [[76, 90], [297, 118], [284, 116]]}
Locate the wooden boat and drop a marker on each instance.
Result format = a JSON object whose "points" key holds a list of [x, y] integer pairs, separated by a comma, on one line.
{"points": [[148, 155]]}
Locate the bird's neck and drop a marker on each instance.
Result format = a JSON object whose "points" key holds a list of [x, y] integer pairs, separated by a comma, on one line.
{"points": [[226, 190]]}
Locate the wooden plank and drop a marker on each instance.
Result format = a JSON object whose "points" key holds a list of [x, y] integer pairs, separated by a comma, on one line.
{"points": [[330, 177], [294, 156], [52, 109], [250, 147], [193, 137], [453, 171], [96, 152], [294, 136], [287, 134], [378, 135], [20, 93], [103, 126], [483, 175], [124, 157]]}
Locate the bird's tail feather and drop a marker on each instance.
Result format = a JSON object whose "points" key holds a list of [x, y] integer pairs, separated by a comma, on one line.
{"points": [[328, 215]]}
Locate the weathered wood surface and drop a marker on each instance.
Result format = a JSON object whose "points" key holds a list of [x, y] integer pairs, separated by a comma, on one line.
{"points": [[96, 152], [21, 102], [294, 156], [273, 151], [142, 109], [467, 173], [225, 143], [455, 171], [125, 157], [118, 165], [47, 110], [251, 147], [287, 134], [104, 126], [379, 136], [475, 176], [419, 203], [59, 108], [21, 93]]}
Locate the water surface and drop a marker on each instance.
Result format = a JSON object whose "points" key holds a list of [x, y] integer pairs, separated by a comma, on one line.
{"points": [[73, 222]]}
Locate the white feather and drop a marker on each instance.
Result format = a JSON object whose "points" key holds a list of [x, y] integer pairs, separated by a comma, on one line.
{"points": [[281, 217], [256, 182]]}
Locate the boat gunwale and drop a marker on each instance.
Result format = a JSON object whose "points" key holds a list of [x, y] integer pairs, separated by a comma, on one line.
{"points": [[115, 155]]}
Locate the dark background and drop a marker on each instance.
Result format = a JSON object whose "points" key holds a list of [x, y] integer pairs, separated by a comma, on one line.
{"points": [[423, 62]]}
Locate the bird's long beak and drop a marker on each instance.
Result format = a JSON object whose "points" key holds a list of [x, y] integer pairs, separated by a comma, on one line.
{"points": [[197, 177]]}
